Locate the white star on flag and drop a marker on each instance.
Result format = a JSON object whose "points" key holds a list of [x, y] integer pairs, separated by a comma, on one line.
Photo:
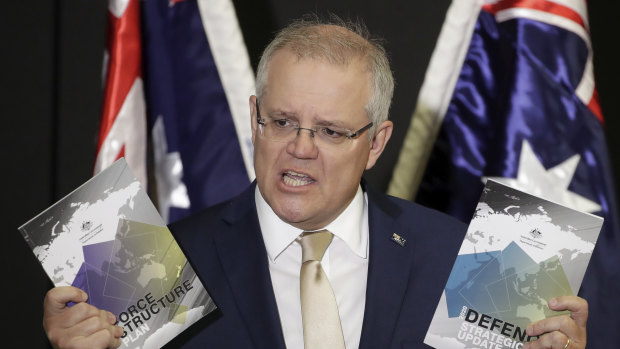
{"points": [[551, 184], [171, 191]]}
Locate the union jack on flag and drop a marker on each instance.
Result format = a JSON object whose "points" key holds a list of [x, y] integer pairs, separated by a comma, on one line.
{"points": [[123, 123]]}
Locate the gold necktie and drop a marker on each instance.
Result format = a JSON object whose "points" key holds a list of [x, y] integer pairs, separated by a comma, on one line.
{"points": [[319, 310]]}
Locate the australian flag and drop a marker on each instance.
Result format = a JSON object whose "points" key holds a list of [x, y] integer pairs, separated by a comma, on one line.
{"points": [[510, 95], [198, 80]]}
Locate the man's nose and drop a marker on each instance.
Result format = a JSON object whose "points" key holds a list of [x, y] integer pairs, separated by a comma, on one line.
{"points": [[303, 146]]}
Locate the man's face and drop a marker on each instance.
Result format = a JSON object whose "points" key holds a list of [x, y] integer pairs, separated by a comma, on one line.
{"points": [[306, 183]]}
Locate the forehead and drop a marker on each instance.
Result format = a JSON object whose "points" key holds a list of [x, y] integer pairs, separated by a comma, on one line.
{"points": [[313, 87]]}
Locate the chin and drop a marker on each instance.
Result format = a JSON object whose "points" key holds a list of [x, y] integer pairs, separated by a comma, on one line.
{"points": [[291, 214]]}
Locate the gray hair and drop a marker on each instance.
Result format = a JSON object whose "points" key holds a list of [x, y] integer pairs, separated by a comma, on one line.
{"points": [[338, 42]]}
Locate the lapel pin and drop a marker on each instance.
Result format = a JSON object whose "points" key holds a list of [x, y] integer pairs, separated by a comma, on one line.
{"points": [[398, 239]]}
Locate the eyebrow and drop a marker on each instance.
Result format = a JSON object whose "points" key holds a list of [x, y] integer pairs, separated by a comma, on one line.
{"points": [[281, 113], [316, 121], [335, 123]]}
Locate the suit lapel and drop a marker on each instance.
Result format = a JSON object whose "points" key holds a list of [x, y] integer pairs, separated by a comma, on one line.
{"points": [[241, 251], [388, 273]]}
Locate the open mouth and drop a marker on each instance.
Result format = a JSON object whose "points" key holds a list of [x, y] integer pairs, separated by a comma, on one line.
{"points": [[295, 179]]}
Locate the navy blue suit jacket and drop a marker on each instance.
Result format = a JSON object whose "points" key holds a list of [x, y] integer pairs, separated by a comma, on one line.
{"points": [[226, 248]]}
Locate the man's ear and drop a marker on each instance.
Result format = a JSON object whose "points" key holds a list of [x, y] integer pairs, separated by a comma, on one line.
{"points": [[253, 117], [382, 136]]}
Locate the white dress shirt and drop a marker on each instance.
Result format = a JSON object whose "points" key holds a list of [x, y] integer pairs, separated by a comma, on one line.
{"points": [[345, 263]]}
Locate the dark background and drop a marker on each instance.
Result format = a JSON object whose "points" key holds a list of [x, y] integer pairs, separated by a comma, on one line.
{"points": [[51, 92]]}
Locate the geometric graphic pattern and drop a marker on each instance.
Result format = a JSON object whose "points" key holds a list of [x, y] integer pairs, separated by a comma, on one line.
{"points": [[508, 285], [143, 252]]}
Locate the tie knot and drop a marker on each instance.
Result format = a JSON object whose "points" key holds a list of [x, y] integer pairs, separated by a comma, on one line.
{"points": [[314, 244]]}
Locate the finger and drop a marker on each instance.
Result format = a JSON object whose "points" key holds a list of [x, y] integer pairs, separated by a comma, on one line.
{"points": [[577, 306], [553, 340], [110, 338], [103, 338], [91, 325], [57, 298], [562, 323], [79, 313]]}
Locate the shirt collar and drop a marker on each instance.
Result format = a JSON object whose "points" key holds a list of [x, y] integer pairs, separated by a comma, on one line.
{"points": [[348, 226]]}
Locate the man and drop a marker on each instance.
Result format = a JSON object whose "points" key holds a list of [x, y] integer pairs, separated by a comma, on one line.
{"points": [[319, 119]]}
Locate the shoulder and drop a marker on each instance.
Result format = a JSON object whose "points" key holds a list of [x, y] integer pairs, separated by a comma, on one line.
{"points": [[204, 225], [205, 217], [423, 219], [429, 234]]}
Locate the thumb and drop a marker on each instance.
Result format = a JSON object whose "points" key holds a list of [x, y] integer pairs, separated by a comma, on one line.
{"points": [[57, 298]]}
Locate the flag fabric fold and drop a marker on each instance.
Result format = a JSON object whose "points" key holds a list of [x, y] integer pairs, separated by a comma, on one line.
{"points": [[510, 95], [197, 82], [200, 125], [123, 123]]}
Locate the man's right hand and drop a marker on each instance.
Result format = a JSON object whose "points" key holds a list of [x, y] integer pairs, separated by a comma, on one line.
{"points": [[79, 326]]}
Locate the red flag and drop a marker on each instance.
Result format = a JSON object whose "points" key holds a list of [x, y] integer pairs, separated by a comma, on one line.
{"points": [[123, 122]]}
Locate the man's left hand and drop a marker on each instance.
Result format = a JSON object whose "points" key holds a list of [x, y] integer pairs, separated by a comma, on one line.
{"points": [[561, 332]]}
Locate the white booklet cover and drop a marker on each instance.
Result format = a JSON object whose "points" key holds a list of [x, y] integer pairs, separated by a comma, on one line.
{"points": [[107, 238], [519, 252]]}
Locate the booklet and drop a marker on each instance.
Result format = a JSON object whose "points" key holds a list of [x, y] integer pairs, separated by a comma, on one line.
{"points": [[519, 252], [107, 238]]}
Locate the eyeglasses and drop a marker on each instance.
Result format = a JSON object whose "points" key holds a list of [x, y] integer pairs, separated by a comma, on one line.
{"points": [[282, 130]]}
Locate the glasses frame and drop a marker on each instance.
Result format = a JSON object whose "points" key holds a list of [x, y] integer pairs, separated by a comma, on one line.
{"points": [[354, 135]]}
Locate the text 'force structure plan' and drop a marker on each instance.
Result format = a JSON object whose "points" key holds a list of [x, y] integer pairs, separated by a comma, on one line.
{"points": [[107, 238]]}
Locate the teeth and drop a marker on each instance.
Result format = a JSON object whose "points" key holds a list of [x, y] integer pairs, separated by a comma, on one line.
{"points": [[295, 179], [294, 182], [293, 173]]}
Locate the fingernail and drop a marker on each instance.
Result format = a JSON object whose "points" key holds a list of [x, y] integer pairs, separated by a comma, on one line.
{"points": [[553, 302], [529, 330], [111, 318], [119, 331], [84, 296]]}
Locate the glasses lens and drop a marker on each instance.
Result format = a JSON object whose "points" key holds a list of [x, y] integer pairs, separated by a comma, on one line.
{"points": [[280, 130], [332, 136], [285, 130]]}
